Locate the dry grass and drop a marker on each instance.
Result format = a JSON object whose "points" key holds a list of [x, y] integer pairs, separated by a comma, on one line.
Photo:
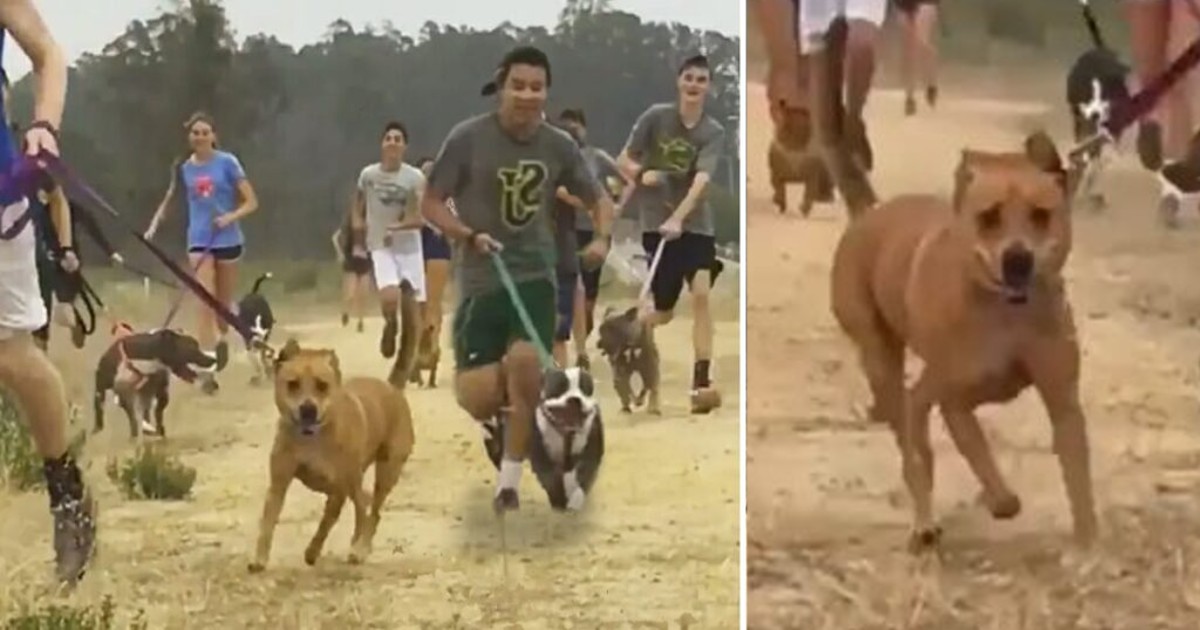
{"points": [[1144, 576], [658, 546], [827, 510]]}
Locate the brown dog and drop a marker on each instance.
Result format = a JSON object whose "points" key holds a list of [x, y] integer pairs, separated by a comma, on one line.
{"points": [[792, 161], [429, 354], [329, 433], [975, 289], [630, 348]]}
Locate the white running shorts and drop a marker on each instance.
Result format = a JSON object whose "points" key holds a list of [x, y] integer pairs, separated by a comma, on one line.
{"points": [[817, 15], [394, 267], [21, 306]]}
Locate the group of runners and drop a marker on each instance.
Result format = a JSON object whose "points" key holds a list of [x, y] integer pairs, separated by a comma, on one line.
{"points": [[536, 194], [506, 183]]}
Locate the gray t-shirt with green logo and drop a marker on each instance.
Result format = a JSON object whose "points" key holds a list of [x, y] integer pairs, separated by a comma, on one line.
{"points": [[506, 188], [660, 141]]}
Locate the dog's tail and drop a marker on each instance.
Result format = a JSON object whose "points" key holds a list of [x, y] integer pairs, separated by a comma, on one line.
{"points": [[1093, 28], [258, 282]]}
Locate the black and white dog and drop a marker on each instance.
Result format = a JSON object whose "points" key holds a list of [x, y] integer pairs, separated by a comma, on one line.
{"points": [[568, 438], [1097, 82], [137, 367], [254, 312]]}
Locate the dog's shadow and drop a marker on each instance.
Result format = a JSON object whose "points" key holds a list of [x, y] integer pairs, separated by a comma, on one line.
{"points": [[534, 526]]}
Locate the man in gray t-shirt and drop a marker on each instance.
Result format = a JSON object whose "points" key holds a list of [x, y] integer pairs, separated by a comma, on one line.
{"points": [[672, 154], [577, 317], [502, 169], [387, 204]]}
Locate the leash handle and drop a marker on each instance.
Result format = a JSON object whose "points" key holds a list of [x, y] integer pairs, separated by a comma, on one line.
{"points": [[658, 252], [544, 356]]}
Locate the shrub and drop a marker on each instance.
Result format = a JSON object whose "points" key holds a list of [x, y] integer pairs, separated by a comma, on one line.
{"points": [[63, 617], [152, 474]]}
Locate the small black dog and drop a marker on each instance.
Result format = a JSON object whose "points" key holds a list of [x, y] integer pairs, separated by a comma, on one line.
{"points": [[568, 438], [138, 368], [254, 312]]}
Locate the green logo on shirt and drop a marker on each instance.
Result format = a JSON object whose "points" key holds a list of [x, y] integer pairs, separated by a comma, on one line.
{"points": [[676, 154], [521, 192]]}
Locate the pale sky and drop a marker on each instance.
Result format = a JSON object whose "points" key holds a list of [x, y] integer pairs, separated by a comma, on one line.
{"points": [[87, 25]]}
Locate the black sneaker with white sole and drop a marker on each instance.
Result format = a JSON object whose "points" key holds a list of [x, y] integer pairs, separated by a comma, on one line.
{"points": [[73, 509]]}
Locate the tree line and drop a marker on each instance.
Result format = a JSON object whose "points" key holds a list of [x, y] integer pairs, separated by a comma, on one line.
{"points": [[304, 121]]}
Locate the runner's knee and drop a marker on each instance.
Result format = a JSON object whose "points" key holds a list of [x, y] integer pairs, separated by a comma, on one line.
{"points": [[479, 391]]}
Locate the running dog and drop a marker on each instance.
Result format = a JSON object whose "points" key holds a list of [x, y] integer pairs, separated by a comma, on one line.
{"points": [[792, 161], [568, 438], [973, 287], [629, 346], [328, 433], [429, 354], [1097, 82], [254, 312], [137, 367]]}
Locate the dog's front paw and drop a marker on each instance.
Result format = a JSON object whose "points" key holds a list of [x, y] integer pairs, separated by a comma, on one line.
{"points": [[577, 499], [256, 567], [506, 500], [924, 539]]}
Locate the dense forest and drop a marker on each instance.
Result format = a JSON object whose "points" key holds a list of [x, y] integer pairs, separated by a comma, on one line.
{"points": [[304, 121]]}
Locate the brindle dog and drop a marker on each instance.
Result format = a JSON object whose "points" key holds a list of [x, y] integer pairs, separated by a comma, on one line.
{"points": [[630, 349]]}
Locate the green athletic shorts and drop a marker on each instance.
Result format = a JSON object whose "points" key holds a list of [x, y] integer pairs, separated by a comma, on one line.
{"points": [[486, 325]]}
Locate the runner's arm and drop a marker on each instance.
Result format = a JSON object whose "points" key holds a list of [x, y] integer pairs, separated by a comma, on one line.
{"points": [[413, 220], [164, 206], [22, 19], [60, 216], [777, 23], [358, 207], [566, 197], [245, 190], [706, 167], [337, 243], [446, 180], [579, 181], [637, 147]]}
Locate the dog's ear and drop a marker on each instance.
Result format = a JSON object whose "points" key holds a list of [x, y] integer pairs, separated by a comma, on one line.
{"points": [[1041, 150], [332, 357], [288, 351]]}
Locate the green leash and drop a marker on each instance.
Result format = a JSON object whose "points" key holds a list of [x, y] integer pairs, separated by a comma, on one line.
{"points": [[544, 356]]}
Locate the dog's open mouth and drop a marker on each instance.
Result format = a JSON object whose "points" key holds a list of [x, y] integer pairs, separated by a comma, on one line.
{"points": [[568, 415], [185, 373]]}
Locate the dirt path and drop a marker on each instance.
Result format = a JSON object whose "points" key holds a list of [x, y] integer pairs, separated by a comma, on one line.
{"points": [[828, 514], [658, 545]]}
